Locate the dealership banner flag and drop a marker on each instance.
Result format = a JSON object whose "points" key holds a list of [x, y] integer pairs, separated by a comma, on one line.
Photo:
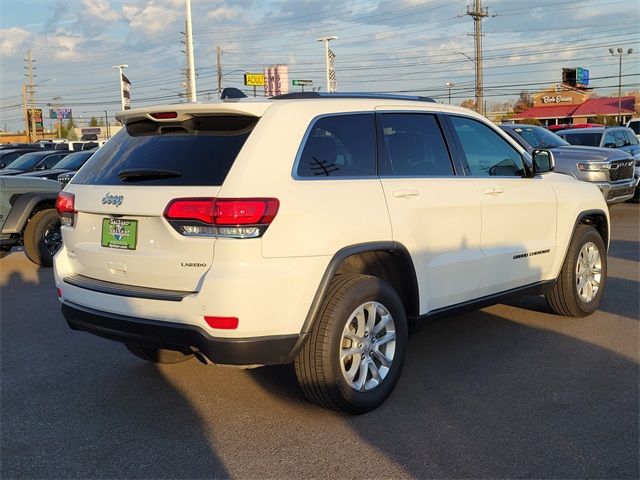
{"points": [[333, 84], [126, 92]]}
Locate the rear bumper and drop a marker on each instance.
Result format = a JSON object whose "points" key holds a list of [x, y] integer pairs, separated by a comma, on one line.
{"points": [[272, 350]]}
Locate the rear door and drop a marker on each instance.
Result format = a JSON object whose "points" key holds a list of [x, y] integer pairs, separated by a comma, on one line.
{"points": [[434, 213], [120, 234]]}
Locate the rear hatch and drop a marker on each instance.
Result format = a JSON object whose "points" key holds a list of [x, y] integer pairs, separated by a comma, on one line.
{"points": [[119, 233]]}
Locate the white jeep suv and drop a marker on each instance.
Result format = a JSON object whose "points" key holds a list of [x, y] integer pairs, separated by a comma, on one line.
{"points": [[316, 229]]}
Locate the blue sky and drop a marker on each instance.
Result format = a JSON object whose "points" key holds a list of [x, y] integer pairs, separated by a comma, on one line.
{"points": [[413, 46]]}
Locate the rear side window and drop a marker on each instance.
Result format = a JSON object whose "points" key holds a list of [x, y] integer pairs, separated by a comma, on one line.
{"points": [[339, 146], [198, 152], [414, 146], [51, 160], [584, 139]]}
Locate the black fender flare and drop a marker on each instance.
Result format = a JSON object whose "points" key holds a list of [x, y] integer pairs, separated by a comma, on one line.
{"points": [[23, 208], [332, 268]]}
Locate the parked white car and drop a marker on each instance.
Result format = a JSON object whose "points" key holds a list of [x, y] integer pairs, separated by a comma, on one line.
{"points": [[316, 229]]}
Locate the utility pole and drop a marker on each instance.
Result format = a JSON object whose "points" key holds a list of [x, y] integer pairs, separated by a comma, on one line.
{"points": [[120, 73], [32, 96], [620, 52], [26, 112], [219, 70], [106, 124], [329, 57], [192, 67], [478, 14]]}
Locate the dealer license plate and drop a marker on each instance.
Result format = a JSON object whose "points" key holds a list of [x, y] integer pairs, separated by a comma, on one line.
{"points": [[119, 233]]}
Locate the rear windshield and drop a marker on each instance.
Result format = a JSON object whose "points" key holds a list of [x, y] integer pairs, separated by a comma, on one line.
{"points": [[587, 139], [199, 152]]}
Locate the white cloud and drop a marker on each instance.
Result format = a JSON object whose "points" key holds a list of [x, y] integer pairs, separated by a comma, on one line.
{"points": [[12, 41], [152, 18], [100, 10], [64, 45], [222, 13]]}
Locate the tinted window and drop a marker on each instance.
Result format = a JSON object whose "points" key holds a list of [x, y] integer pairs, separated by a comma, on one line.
{"points": [[198, 151], [74, 161], [51, 160], [9, 157], [27, 161], [339, 146], [621, 139], [414, 145], [539, 137], [588, 139], [486, 152], [635, 126]]}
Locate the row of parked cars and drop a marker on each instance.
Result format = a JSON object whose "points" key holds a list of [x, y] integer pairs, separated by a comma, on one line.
{"points": [[608, 157], [31, 176]]}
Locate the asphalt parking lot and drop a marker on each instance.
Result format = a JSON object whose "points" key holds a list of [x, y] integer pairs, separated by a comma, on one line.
{"points": [[508, 391]]}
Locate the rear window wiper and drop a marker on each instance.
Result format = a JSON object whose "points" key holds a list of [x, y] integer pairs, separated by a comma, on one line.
{"points": [[147, 174]]}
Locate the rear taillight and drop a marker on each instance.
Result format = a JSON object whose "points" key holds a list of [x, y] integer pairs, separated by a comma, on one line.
{"points": [[222, 217], [66, 207]]}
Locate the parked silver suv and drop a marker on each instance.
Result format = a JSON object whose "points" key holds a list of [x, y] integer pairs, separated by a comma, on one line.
{"points": [[612, 170]]}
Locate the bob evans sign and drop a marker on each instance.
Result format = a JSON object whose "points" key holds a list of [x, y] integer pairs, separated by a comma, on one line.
{"points": [[556, 99], [559, 95]]}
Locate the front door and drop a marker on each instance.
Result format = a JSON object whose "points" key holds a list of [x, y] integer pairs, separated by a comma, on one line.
{"points": [[518, 235]]}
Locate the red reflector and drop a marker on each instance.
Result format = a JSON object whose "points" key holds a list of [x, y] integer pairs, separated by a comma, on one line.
{"points": [[164, 115], [191, 209], [227, 323], [65, 203], [59, 293], [250, 211]]}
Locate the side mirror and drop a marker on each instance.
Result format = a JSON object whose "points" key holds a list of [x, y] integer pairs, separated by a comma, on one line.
{"points": [[41, 167], [543, 161]]}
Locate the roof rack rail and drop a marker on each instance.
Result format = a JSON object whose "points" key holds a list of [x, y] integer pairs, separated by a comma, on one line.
{"points": [[380, 96]]}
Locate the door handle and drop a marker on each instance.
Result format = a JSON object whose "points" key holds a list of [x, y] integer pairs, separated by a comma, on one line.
{"points": [[405, 193], [493, 191]]}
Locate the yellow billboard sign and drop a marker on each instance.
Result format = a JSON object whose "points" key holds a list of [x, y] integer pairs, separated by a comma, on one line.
{"points": [[254, 79]]}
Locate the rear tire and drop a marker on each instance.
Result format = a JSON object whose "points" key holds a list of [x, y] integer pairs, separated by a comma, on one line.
{"points": [[42, 238], [157, 355], [356, 351], [580, 285]]}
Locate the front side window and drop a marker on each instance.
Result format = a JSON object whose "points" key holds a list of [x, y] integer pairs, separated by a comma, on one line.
{"points": [[486, 152], [339, 146], [414, 145]]}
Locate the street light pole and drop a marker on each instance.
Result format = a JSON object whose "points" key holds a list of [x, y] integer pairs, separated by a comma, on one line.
{"points": [[449, 85], [620, 52]]}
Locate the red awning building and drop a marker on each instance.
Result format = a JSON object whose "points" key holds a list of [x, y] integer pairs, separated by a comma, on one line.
{"points": [[562, 104]]}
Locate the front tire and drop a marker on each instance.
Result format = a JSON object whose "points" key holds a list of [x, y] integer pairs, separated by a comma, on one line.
{"points": [[356, 351], [157, 355], [42, 237], [580, 285]]}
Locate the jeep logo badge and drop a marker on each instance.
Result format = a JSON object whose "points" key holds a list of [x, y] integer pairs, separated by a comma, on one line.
{"points": [[109, 199]]}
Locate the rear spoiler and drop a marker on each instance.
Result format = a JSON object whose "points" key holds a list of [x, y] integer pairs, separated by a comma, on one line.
{"points": [[185, 111]]}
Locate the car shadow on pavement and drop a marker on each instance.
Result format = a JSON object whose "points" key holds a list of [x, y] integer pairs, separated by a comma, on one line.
{"points": [[482, 396], [625, 250], [76, 406]]}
